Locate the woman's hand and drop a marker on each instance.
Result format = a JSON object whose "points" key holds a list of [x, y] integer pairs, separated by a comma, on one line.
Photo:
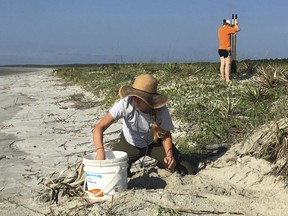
{"points": [[170, 161], [100, 154], [167, 144]]}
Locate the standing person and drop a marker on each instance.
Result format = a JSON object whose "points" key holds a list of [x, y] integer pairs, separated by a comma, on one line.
{"points": [[146, 126], [224, 51]]}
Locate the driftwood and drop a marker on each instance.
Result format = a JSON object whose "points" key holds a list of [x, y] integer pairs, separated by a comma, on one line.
{"points": [[67, 184]]}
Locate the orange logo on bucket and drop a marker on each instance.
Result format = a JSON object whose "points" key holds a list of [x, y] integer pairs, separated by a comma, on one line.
{"points": [[96, 192]]}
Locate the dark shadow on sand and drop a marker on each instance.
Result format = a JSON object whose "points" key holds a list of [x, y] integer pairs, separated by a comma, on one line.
{"points": [[200, 161], [146, 181]]}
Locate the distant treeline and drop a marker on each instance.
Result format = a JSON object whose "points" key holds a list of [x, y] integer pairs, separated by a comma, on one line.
{"points": [[276, 60]]}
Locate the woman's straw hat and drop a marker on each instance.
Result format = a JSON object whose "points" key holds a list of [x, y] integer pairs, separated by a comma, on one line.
{"points": [[145, 87]]}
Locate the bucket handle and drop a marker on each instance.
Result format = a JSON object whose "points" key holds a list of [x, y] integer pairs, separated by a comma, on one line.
{"points": [[113, 181]]}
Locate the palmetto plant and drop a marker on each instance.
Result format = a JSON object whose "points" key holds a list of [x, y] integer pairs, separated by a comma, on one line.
{"points": [[172, 68], [228, 106], [269, 75], [255, 94], [283, 75]]}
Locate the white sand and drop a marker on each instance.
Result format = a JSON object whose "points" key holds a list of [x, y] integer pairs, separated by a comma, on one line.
{"points": [[41, 131]]}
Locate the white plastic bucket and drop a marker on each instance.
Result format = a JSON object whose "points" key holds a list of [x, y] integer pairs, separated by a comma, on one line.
{"points": [[105, 178]]}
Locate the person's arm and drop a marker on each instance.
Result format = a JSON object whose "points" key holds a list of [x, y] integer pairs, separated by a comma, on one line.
{"points": [[167, 145], [98, 131]]}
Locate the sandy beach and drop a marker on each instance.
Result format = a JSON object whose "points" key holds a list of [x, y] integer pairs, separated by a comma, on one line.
{"points": [[46, 125]]}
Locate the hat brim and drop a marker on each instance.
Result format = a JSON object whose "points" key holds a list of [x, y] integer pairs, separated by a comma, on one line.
{"points": [[155, 101]]}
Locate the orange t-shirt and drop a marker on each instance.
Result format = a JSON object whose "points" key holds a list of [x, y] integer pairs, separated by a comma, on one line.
{"points": [[224, 33]]}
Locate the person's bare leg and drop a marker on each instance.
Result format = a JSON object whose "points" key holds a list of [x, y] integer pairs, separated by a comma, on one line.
{"points": [[222, 68], [227, 69]]}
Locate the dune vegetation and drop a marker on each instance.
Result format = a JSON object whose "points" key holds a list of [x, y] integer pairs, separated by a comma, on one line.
{"points": [[206, 110]]}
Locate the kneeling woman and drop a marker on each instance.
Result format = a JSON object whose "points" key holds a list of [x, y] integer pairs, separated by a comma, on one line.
{"points": [[146, 126]]}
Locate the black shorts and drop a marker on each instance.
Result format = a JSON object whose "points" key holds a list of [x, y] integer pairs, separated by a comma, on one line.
{"points": [[224, 53]]}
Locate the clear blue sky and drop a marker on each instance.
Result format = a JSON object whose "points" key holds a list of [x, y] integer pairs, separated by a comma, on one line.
{"points": [[121, 31]]}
